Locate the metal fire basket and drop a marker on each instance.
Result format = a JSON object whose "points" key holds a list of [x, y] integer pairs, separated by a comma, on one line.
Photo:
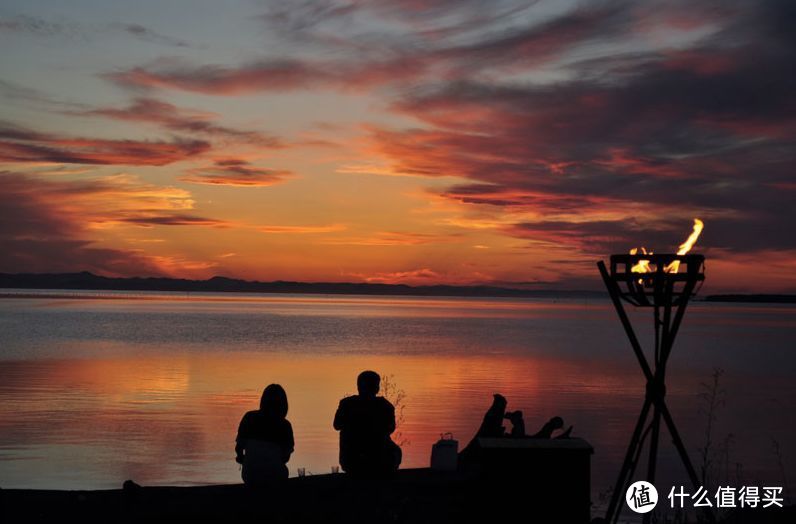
{"points": [[657, 287], [666, 284]]}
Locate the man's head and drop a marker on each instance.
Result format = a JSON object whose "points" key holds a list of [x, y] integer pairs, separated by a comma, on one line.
{"points": [[368, 383]]}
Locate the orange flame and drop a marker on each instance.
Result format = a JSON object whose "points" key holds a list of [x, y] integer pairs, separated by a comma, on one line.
{"points": [[643, 266], [686, 246]]}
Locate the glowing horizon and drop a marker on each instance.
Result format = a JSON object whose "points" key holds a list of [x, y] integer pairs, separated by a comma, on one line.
{"points": [[397, 142]]}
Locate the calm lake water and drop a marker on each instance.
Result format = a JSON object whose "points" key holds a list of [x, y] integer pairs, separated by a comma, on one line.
{"points": [[151, 388]]}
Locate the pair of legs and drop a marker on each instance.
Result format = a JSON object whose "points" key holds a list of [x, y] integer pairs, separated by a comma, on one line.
{"points": [[374, 462], [518, 427]]}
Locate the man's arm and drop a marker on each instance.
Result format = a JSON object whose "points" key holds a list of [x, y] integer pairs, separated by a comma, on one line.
{"points": [[339, 416], [390, 418]]}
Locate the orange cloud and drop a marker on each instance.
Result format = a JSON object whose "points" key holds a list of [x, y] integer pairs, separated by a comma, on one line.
{"points": [[301, 230], [423, 277], [415, 276], [393, 238], [236, 172], [45, 225]]}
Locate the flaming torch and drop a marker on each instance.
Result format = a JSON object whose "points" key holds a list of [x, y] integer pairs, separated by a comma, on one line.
{"points": [[643, 265], [664, 282], [647, 279]]}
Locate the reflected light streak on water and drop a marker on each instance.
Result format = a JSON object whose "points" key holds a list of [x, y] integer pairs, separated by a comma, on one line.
{"points": [[93, 392]]}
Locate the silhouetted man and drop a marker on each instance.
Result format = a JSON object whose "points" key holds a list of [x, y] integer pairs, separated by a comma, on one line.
{"points": [[365, 423]]}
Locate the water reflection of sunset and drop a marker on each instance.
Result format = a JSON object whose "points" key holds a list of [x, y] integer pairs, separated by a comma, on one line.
{"points": [[93, 392], [140, 404], [307, 304]]}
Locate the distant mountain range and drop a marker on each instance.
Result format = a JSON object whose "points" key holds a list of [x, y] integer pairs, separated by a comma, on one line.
{"points": [[90, 281]]}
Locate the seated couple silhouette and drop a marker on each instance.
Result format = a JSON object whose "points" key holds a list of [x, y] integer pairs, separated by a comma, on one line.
{"points": [[492, 427], [365, 422]]}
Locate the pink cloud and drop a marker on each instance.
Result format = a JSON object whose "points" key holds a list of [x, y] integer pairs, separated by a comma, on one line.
{"points": [[174, 118], [20, 145]]}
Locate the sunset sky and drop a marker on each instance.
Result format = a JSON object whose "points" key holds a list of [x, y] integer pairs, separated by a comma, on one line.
{"points": [[415, 141]]}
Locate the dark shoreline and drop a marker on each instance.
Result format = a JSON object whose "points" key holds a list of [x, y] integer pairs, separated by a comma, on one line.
{"points": [[89, 282], [86, 294], [86, 282]]}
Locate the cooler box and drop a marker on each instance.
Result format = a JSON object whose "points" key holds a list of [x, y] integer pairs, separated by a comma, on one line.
{"points": [[444, 454]]}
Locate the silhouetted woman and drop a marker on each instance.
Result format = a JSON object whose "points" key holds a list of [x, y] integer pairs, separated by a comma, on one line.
{"points": [[265, 439]]}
